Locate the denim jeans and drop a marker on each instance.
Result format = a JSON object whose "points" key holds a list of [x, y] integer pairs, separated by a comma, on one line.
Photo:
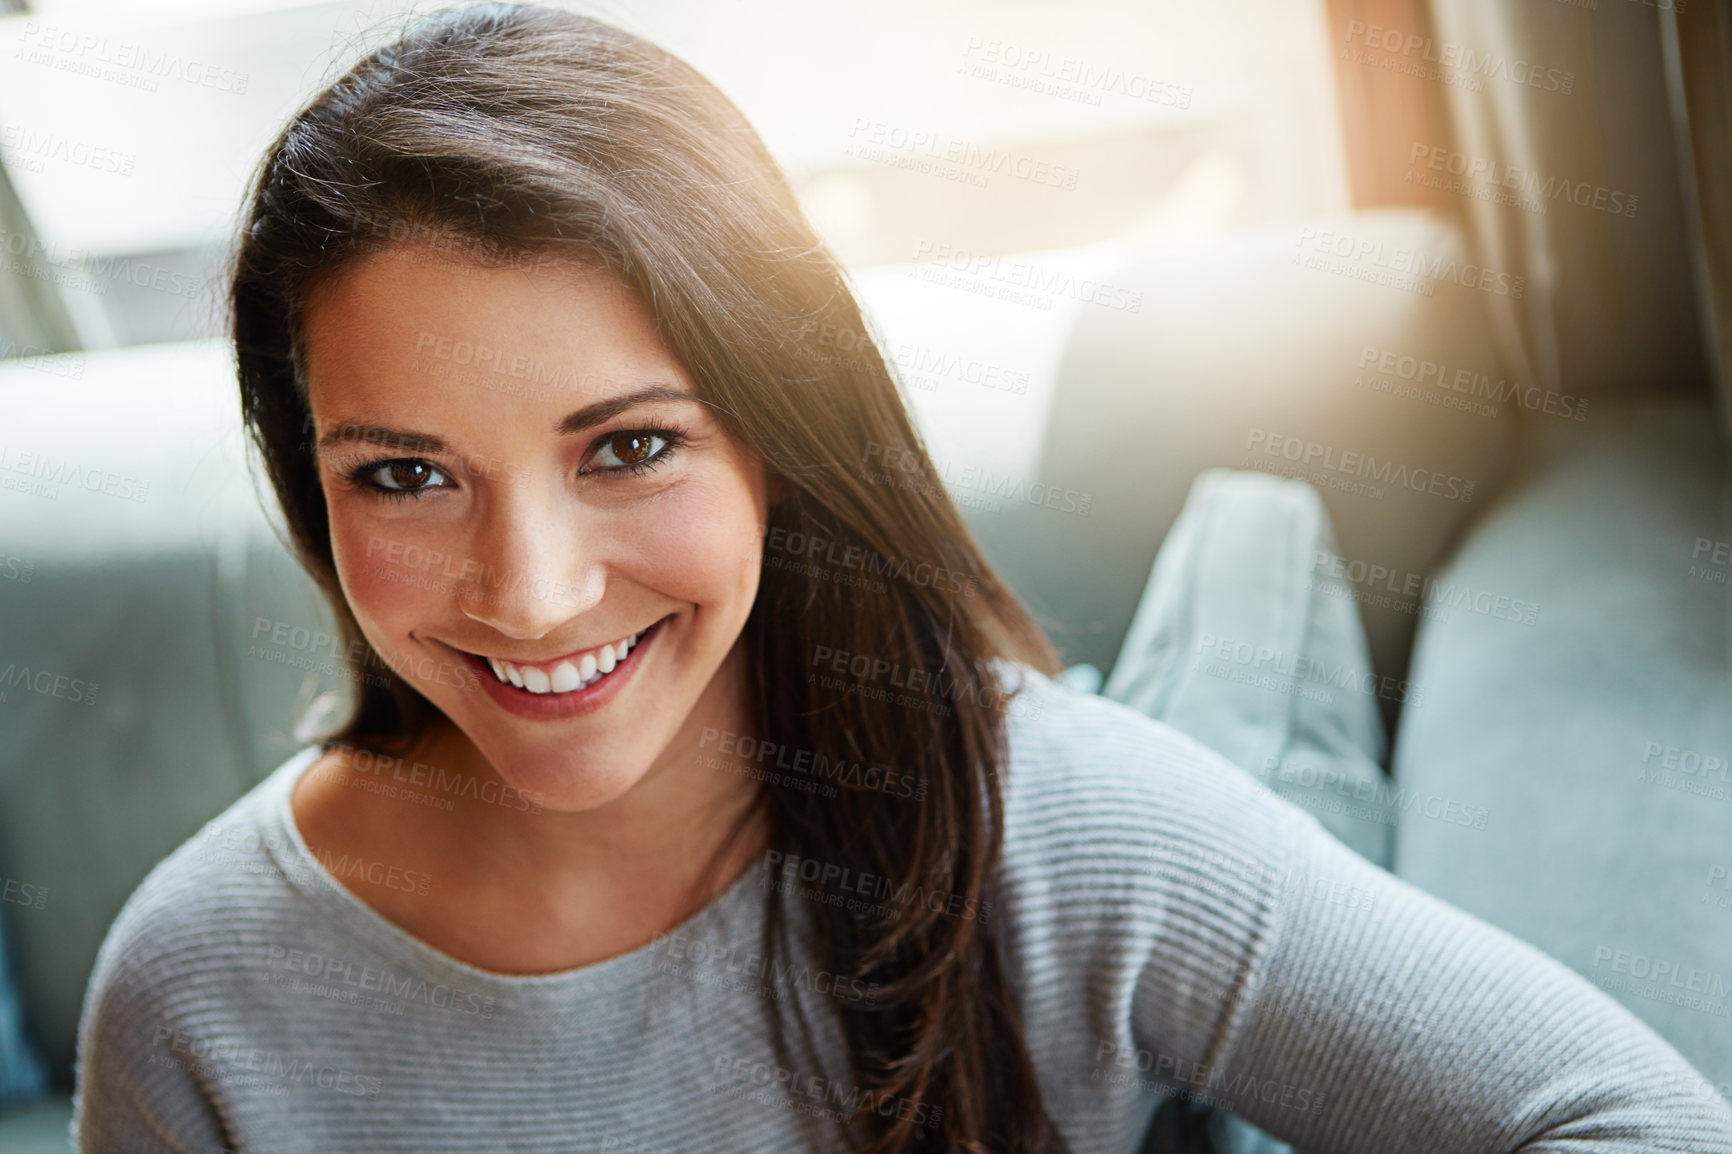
{"points": [[1239, 613]]}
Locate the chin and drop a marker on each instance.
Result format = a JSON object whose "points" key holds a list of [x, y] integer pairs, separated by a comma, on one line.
{"points": [[567, 771], [575, 784]]}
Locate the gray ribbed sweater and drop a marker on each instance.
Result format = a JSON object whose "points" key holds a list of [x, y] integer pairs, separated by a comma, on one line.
{"points": [[1168, 923]]}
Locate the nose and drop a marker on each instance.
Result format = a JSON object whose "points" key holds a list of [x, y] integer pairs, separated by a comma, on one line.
{"points": [[537, 572]]}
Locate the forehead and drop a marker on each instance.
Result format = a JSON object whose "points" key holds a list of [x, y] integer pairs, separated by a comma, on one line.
{"points": [[553, 331]]}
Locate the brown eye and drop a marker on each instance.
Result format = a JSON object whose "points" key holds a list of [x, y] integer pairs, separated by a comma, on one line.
{"points": [[633, 449], [630, 448], [406, 476]]}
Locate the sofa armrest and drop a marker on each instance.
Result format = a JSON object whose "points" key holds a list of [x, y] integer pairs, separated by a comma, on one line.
{"points": [[1565, 775]]}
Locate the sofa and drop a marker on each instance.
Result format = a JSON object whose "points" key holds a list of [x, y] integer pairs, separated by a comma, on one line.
{"points": [[1512, 423], [1562, 706]]}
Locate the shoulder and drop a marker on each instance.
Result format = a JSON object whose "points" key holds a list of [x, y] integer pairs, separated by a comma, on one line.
{"points": [[1092, 760], [1115, 819], [200, 907], [174, 964]]}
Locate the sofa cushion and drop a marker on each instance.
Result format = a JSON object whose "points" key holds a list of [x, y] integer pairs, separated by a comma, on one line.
{"points": [[1236, 644], [42, 1127], [22, 1074]]}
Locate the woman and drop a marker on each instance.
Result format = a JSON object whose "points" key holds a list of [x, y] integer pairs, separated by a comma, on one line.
{"points": [[705, 790]]}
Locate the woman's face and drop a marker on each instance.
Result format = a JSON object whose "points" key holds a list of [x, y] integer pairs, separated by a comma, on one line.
{"points": [[520, 478]]}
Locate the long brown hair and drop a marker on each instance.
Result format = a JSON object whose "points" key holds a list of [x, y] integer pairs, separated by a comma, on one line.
{"points": [[512, 129]]}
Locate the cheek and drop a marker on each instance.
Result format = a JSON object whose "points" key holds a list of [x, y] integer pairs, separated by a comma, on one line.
{"points": [[704, 548], [390, 584]]}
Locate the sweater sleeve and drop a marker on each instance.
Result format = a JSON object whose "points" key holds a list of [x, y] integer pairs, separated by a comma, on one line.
{"points": [[1370, 1018], [141, 1079]]}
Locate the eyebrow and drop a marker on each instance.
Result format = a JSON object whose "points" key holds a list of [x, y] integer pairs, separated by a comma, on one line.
{"points": [[591, 415], [585, 418]]}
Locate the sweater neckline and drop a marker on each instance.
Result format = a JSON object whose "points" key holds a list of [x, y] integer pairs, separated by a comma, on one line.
{"points": [[735, 912]]}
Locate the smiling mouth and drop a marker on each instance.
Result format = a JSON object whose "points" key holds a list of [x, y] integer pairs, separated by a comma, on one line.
{"points": [[569, 674]]}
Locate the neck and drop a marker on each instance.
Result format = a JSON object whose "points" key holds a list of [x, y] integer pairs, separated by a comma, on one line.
{"points": [[527, 891]]}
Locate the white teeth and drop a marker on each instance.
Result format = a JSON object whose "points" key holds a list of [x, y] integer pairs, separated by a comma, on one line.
{"points": [[566, 677]]}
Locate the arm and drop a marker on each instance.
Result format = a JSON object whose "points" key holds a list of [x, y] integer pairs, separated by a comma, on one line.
{"points": [[141, 1083], [1371, 1017]]}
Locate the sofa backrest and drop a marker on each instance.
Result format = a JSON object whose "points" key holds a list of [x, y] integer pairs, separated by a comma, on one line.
{"points": [[1353, 352], [140, 696]]}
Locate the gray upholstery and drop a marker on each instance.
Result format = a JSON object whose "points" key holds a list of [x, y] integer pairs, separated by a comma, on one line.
{"points": [[1547, 727], [1230, 341], [153, 601], [39, 1128]]}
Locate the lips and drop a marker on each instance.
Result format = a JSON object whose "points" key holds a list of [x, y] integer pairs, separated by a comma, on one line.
{"points": [[592, 694]]}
